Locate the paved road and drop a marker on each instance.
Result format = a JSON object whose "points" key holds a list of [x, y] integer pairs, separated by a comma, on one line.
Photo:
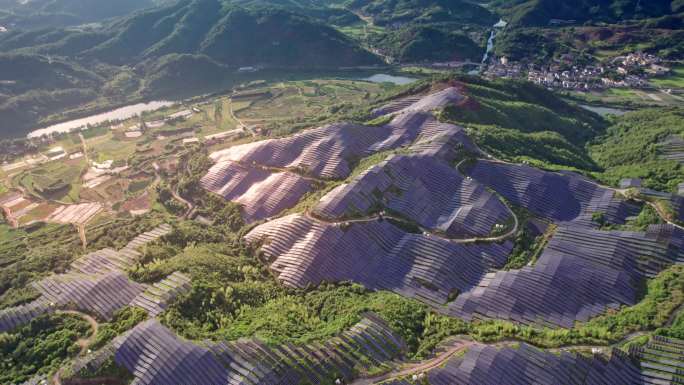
{"points": [[425, 366]]}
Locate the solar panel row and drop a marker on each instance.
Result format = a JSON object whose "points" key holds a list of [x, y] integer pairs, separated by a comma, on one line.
{"points": [[155, 355], [376, 254], [526, 364], [98, 285]]}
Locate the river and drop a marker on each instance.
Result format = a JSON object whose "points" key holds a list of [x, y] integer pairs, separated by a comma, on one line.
{"points": [[117, 114], [501, 24], [385, 78]]}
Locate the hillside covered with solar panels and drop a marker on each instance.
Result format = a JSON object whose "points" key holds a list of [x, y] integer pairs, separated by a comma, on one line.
{"points": [[451, 231]]}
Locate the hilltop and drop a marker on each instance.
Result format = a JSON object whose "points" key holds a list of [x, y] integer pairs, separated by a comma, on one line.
{"points": [[384, 222], [60, 13], [545, 12], [153, 52], [398, 12]]}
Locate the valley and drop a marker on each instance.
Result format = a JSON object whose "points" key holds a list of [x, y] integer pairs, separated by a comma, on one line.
{"points": [[299, 192]]}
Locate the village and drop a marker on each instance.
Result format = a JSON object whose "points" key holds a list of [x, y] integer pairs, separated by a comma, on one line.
{"points": [[634, 70]]}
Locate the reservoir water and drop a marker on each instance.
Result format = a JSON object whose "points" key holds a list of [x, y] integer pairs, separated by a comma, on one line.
{"points": [[385, 78], [117, 114]]}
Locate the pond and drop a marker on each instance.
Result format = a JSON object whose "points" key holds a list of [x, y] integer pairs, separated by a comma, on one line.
{"points": [[117, 114], [385, 78]]}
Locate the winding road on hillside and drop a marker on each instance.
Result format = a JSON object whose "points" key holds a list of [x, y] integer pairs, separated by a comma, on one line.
{"points": [[84, 343], [624, 192], [462, 344], [174, 192], [376, 217]]}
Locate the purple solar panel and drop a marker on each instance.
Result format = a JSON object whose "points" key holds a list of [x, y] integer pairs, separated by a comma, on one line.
{"points": [[581, 273], [376, 254], [96, 284], [329, 152], [261, 193], [100, 295], [425, 190], [562, 197], [427, 103], [488, 365], [155, 355]]}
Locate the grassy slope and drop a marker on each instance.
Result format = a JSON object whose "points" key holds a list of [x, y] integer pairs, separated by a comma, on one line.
{"points": [[539, 12], [522, 122], [519, 121], [629, 149]]}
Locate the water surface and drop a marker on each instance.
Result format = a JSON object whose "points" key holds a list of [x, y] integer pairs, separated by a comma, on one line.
{"points": [[385, 78], [117, 114]]}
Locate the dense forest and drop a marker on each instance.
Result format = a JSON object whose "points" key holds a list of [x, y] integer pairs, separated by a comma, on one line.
{"points": [[542, 12]]}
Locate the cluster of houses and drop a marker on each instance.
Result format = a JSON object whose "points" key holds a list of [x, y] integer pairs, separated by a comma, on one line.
{"points": [[630, 71], [137, 130]]}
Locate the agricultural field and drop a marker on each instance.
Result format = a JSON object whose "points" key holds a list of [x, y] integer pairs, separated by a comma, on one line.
{"points": [[130, 147], [628, 98], [389, 223], [56, 181], [299, 100], [674, 80]]}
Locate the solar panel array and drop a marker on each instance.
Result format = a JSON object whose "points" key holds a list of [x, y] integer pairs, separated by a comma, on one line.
{"points": [[561, 197], [155, 355], [676, 202], [97, 294], [13, 317], [157, 297], [580, 274], [661, 360], [422, 188], [254, 174], [329, 152], [395, 106], [376, 254], [261, 193], [484, 365], [98, 285], [427, 103], [673, 148]]}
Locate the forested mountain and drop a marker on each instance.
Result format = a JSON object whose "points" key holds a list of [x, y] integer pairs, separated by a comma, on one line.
{"points": [[541, 12], [415, 43], [199, 43], [44, 13], [393, 12], [231, 35]]}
